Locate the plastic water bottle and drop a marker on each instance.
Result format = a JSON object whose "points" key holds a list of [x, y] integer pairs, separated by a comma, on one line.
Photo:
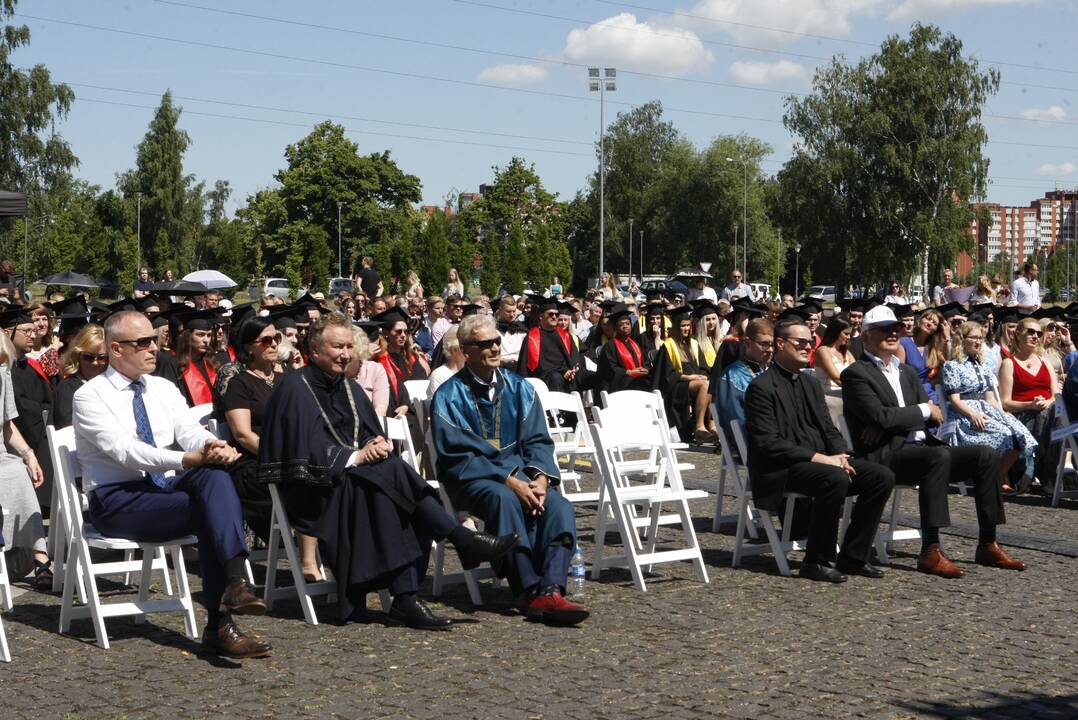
{"points": [[577, 571]]}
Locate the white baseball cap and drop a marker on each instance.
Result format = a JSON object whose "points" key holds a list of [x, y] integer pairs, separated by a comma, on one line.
{"points": [[879, 316]]}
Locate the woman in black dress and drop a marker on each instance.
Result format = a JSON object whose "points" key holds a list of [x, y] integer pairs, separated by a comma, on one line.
{"points": [[244, 402], [680, 374], [622, 363], [84, 359]]}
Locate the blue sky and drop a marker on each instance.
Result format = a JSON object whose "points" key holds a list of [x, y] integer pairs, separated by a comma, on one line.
{"points": [[719, 66]]}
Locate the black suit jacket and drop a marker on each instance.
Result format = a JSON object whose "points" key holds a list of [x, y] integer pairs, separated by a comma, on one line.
{"points": [[869, 403], [772, 450]]}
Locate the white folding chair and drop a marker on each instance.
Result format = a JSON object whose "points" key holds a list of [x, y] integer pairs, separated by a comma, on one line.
{"points": [[619, 493], [416, 388], [5, 603], [632, 401], [201, 414], [574, 443], [737, 472], [441, 578], [780, 546], [81, 571], [540, 387], [1066, 433]]}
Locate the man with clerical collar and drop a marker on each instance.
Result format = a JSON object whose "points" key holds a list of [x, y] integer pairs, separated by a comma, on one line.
{"points": [[340, 482], [889, 412], [728, 387], [495, 458], [794, 447], [548, 352]]}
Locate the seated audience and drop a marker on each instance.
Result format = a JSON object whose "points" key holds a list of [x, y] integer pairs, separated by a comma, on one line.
{"points": [[548, 352], [925, 350], [728, 389], [832, 357], [84, 359], [400, 360], [454, 360], [679, 373], [622, 364], [365, 370]]}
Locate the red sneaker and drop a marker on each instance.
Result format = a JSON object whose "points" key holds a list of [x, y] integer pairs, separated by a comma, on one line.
{"points": [[553, 609]]}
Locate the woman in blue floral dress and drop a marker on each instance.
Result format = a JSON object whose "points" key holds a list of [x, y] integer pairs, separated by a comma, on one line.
{"points": [[973, 402]]}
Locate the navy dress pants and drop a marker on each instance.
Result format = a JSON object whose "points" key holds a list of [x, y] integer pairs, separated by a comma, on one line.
{"points": [[200, 502]]}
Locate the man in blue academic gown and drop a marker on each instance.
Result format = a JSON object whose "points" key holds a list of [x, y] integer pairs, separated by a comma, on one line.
{"points": [[728, 387], [496, 460]]}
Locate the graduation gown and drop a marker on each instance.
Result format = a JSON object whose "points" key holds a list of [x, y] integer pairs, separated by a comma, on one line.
{"points": [[557, 354], [615, 360], [398, 371], [666, 378], [361, 515], [198, 382], [169, 369], [34, 394], [480, 443]]}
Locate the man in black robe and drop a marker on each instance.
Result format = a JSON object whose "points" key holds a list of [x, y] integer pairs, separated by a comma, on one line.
{"points": [[373, 515], [548, 352], [794, 447], [33, 395]]}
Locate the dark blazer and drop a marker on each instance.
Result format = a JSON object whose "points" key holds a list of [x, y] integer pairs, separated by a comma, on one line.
{"points": [[769, 414], [869, 403]]}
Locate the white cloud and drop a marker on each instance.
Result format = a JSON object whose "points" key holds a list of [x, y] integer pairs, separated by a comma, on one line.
{"points": [[513, 75], [764, 73], [915, 9], [622, 41], [1057, 169], [1054, 112], [817, 17]]}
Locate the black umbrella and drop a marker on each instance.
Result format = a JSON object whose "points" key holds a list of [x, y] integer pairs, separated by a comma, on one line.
{"points": [[71, 279], [179, 287], [691, 274]]}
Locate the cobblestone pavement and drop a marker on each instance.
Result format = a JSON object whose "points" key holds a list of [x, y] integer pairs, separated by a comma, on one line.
{"points": [[750, 644]]}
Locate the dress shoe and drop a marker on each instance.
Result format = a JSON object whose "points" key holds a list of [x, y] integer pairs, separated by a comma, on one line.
{"points": [[229, 640], [934, 562], [854, 568], [992, 555], [824, 573], [239, 599], [551, 608], [484, 548], [411, 611]]}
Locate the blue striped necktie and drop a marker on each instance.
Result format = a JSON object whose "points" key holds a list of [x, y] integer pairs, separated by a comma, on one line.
{"points": [[145, 432]]}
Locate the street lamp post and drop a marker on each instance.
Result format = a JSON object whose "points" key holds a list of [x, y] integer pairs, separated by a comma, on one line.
{"points": [[641, 256], [602, 85], [340, 204], [797, 270], [744, 218], [630, 280], [138, 232]]}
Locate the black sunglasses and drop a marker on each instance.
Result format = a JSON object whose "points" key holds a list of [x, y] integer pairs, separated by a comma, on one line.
{"points": [[267, 340], [485, 344], [142, 343], [92, 357], [801, 343]]}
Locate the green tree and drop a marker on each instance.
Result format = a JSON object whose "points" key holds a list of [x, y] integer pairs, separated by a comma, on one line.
{"points": [[513, 267], [432, 252], [888, 159]]}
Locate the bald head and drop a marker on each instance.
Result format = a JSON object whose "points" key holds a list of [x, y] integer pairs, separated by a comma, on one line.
{"points": [[132, 344]]}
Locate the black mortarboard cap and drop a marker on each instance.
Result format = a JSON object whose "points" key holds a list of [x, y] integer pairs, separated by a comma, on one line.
{"points": [[13, 317], [565, 308], [1008, 314], [241, 312], [1055, 312], [70, 309], [798, 312], [656, 292], [469, 309], [618, 310], [124, 305], [983, 308], [900, 310], [655, 308], [682, 312], [148, 302], [388, 318], [854, 305], [158, 319], [370, 327], [308, 300], [704, 306], [952, 309], [815, 303], [200, 319]]}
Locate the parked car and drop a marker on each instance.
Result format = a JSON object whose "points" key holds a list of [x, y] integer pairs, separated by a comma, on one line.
{"points": [[823, 293], [762, 291], [340, 284], [276, 286]]}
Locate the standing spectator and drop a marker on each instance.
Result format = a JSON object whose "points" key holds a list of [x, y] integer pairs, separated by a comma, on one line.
{"points": [[167, 276], [555, 287], [415, 288], [895, 295], [368, 279], [939, 293], [983, 293], [453, 285], [701, 291], [1026, 290], [737, 289], [609, 287], [142, 284]]}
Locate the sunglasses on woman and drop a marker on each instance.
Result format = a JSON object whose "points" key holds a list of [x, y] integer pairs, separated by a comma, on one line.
{"points": [[1033, 332], [267, 340], [94, 357]]}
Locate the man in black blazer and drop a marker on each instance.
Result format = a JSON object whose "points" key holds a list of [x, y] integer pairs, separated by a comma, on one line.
{"points": [[889, 413], [794, 446]]}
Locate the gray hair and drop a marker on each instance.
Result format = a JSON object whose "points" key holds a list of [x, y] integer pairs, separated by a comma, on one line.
{"points": [[333, 319], [361, 343], [451, 341], [120, 320], [471, 325]]}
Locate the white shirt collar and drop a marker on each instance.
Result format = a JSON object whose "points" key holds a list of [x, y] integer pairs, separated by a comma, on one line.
{"points": [[121, 381], [879, 362]]}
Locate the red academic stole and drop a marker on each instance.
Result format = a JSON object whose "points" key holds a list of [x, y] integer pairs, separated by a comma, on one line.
{"points": [[396, 375], [533, 346], [200, 391], [36, 365], [628, 352]]}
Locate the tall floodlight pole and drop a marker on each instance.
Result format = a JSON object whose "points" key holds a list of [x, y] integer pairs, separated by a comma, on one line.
{"points": [[641, 256], [340, 204], [138, 232], [797, 270], [603, 84], [744, 219], [630, 251]]}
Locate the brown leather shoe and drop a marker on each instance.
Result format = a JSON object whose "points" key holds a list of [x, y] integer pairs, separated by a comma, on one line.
{"points": [[934, 562], [992, 555], [229, 640], [239, 599]]}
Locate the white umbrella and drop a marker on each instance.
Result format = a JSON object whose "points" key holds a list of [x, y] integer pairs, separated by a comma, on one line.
{"points": [[212, 279]]}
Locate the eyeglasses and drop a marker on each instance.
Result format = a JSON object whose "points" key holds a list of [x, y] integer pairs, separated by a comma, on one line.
{"points": [[398, 331], [267, 340], [93, 357], [142, 343], [28, 332], [801, 343], [486, 344], [974, 338], [1052, 327], [550, 313], [763, 345]]}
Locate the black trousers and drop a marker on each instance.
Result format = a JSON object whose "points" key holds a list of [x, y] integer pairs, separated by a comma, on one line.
{"points": [[933, 467], [828, 487]]}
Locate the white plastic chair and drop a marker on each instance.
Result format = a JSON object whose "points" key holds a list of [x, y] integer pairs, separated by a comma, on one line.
{"points": [[1066, 433], [737, 472], [780, 546], [5, 604], [416, 388], [80, 570], [572, 443], [619, 494], [201, 414], [633, 401]]}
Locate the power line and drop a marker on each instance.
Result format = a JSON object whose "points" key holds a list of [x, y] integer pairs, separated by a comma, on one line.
{"points": [[250, 106], [350, 130]]}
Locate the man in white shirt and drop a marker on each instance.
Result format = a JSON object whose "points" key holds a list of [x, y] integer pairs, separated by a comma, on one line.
{"points": [[737, 289], [126, 422], [1025, 290], [701, 291]]}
